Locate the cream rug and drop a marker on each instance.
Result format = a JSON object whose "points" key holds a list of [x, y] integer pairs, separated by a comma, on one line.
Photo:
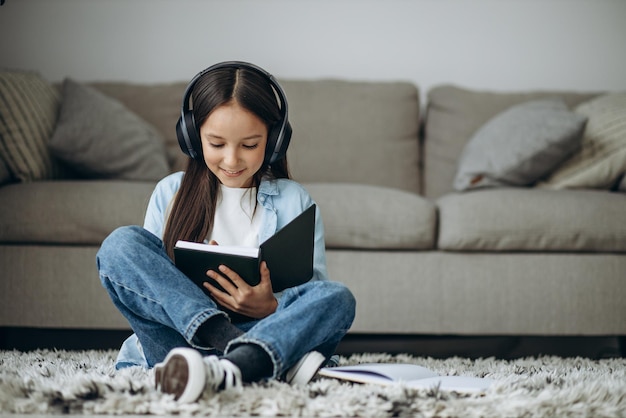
{"points": [[85, 382]]}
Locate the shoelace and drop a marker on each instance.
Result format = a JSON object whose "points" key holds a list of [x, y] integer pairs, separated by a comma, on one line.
{"points": [[220, 371]]}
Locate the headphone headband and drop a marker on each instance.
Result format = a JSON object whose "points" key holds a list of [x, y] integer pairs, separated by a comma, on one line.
{"points": [[278, 136]]}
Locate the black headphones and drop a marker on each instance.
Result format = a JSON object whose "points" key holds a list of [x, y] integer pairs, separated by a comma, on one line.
{"points": [[278, 136]]}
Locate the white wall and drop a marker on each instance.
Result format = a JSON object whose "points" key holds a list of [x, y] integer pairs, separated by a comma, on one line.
{"points": [[491, 44]]}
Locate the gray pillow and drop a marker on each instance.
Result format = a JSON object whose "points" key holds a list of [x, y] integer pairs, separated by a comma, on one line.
{"points": [[100, 138], [520, 145]]}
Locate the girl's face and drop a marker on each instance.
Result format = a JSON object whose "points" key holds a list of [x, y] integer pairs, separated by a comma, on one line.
{"points": [[233, 143]]}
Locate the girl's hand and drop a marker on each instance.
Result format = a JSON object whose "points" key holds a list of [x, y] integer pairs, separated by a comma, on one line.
{"points": [[253, 301]]}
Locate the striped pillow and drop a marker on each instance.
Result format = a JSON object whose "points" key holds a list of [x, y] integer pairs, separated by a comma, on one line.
{"points": [[28, 112], [601, 161]]}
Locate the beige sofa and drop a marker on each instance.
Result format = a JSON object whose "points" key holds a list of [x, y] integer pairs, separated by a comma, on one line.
{"points": [[420, 258]]}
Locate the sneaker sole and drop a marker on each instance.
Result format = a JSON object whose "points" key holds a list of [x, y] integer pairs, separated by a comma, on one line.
{"points": [[305, 369], [181, 374]]}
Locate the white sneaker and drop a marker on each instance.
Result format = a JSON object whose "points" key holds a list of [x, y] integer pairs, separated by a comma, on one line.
{"points": [[186, 374], [305, 369]]}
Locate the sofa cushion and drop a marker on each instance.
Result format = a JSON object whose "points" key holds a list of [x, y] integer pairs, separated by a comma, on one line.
{"points": [[454, 114], [70, 212], [100, 138], [532, 220], [520, 145], [28, 112], [361, 216], [85, 212], [601, 160], [354, 132]]}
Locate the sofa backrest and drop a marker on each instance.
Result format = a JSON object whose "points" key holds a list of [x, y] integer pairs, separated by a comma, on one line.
{"points": [[454, 114], [354, 132], [343, 131]]}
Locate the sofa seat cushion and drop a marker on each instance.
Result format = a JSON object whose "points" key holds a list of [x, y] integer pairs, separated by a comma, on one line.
{"points": [[373, 217], [533, 220], [70, 212]]}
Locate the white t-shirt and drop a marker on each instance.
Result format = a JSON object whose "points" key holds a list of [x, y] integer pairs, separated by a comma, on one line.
{"points": [[236, 220]]}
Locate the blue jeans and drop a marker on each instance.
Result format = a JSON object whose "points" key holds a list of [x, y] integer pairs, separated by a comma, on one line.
{"points": [[165, 308]]}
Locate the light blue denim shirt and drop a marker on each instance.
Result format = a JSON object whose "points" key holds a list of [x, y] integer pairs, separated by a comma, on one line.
{"points": [[281, 201]]}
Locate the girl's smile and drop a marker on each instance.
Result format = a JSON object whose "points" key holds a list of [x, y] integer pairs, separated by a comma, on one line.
{"points": [[233, 144], [232, 173]]}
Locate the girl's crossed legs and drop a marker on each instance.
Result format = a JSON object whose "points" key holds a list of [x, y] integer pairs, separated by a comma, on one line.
{"points": [[166, 310]]}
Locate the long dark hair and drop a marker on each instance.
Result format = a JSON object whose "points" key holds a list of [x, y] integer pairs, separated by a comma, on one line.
{"points": [[193, 209]]}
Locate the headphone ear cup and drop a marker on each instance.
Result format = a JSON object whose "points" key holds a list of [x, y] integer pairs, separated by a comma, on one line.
{"points": [[276, 146], [182, 139], [272, 140], [284, 144], [187, 135]]}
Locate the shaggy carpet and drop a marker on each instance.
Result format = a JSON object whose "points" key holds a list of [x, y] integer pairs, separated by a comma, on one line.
{"points": [[85, 382]]}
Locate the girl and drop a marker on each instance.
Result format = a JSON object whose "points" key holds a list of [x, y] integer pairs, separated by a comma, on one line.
{"points": [[235, 191]]}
